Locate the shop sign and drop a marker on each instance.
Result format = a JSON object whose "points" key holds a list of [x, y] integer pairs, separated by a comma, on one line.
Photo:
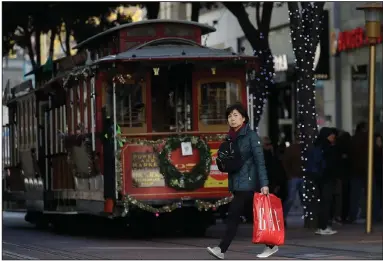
{"points": [[141, 168], [349, 40], [280, 63]]}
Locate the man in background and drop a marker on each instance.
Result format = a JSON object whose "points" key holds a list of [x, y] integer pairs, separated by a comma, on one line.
{"points": [[292, 165], [358, 160]]}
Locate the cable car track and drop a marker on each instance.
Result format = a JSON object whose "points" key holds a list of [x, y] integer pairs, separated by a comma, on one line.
{"points": [[62, 254]]}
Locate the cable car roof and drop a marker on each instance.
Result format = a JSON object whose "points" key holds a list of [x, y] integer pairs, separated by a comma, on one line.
{"points": [[172, 51], [205, 29]]}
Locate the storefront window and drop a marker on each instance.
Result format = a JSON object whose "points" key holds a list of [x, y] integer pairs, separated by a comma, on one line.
{"points": [[359, 89], [360, 103], [379, 99], [215, 98]]}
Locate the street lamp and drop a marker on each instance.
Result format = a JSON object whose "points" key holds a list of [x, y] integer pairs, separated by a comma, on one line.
{"points": [[373, 13]]}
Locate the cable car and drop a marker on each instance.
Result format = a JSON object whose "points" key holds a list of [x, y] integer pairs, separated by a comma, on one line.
{"points": [[128, 128]]}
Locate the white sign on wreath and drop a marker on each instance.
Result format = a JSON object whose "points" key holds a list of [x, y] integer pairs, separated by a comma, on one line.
{"points": [[186, 148]]}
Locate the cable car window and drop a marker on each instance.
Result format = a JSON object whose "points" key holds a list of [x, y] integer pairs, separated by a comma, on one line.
{"points": [[178, 30], [141, 31], [130, 107], [22, 116], [215, 98], [129, 45], [79, 106]]}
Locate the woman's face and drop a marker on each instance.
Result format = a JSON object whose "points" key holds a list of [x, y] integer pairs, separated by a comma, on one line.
{"points": [[235, 119], [379, 141]]}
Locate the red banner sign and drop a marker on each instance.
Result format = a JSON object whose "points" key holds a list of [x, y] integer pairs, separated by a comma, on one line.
{"points": [[352, 39]]}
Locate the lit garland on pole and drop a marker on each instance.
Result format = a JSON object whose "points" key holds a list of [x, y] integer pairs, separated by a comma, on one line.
{"points": [[305, 29], [265, 76]]}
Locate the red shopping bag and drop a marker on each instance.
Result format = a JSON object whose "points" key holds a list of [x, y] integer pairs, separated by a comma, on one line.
{"points": [[268, 220]]}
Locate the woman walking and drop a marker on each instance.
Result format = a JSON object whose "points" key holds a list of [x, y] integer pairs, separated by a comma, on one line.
{"points": [[242, 183]]}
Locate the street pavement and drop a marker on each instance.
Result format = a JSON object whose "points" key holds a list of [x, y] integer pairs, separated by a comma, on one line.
{"points": [[23, 241]]}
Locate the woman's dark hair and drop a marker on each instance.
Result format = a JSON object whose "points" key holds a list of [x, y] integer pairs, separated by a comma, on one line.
{"points": [[239, 107]]}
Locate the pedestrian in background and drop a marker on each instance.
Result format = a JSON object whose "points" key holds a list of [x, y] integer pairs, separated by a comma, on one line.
{"points": [[343, 143], [243, 183], [358, 160], [378, 179], [292, 165], [275, 171], [322, 167]]}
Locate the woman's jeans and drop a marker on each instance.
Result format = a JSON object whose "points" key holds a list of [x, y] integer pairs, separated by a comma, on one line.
{"points": [[294, 186]]}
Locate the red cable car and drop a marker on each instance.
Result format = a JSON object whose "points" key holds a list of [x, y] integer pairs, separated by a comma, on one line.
{"points": [[128, 128]]}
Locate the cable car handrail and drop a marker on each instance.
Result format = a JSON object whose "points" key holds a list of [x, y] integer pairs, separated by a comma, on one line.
{"points": [[169, 39]]}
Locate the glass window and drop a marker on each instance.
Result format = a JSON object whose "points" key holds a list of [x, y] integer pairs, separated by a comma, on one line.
{"points": [[178, 30], [129, 45], [215, 98], [141, 31], [130, 107], [359, 88]]}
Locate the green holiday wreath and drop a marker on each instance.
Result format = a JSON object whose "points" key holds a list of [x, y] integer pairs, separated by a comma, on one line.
{"points": [[185, 180]]}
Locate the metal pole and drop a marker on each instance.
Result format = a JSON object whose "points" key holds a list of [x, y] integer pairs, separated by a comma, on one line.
{"points": [[115, 133], [370, 136], [251, 111], [92, 120]]}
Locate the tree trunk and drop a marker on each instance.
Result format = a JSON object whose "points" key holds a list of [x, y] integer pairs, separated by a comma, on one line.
{"points": [[152, 9], [258, 40], [67, 39], [38, 47], [31, 54], [52, 42], [305, 27], [196, 6]]}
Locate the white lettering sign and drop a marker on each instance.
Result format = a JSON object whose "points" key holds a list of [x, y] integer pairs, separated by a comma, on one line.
{"points": [[262, 220], [280, 63], [317, 56]]}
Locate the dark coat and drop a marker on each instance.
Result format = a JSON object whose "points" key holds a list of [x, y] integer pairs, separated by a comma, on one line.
{"points": [[253, 170], [331, 155], [359, 154], [378, 164]]}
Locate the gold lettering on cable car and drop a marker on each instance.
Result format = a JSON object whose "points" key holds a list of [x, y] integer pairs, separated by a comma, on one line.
{"points": [[156, 71]]}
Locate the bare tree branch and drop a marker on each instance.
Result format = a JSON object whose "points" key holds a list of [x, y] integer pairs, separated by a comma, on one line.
{"points": [[239, 11], [196, 6], [258, 13], [296, 31], [267, 11]]}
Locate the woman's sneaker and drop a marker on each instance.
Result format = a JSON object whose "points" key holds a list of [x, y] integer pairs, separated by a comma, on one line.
{"points": [[268, 252], [216, 252], [326, 232]]}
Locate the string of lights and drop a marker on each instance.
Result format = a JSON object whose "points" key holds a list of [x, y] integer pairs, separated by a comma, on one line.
{"points": [[305, 29]]}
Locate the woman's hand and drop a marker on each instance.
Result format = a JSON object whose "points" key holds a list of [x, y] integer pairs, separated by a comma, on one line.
{"points": [[265, 190]]}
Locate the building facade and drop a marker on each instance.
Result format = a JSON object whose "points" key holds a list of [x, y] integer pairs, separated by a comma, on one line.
{"points": [[342, 83], [175, 10], [352, 57], [279, 117]]}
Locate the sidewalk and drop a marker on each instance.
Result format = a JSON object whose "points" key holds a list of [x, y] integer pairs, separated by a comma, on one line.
{"points": [[351, 241]]}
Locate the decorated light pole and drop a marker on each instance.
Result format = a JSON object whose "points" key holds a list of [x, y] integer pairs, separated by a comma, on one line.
{"points": [[373, 13], [305, 29]]}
